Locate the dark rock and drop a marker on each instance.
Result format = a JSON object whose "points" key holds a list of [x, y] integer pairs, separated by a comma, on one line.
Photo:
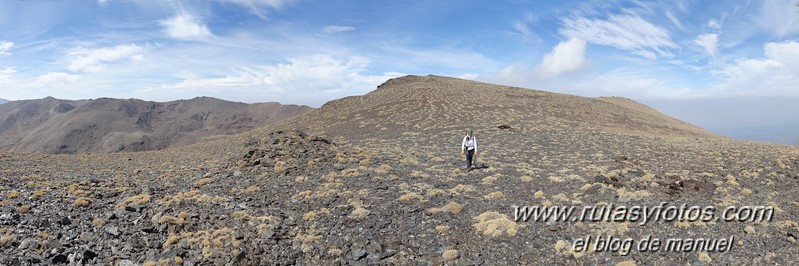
{"points": [[88, 255], [60, 259], [359, 254], [387, 254], [65, 221]]}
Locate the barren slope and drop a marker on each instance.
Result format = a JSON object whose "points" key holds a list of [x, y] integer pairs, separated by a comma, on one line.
{"points": [[433, 104], [349, 192], [113, 125]]}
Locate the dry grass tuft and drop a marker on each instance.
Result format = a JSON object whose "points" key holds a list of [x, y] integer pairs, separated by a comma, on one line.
{"points": [[495, 224], [407, 197], [365, 162], [450, 255], [138, 199], [359, 212], [334, 252], [458, 189], [179, 220], [38, 194], [12, 195], [450, 207], [82, 202], [409, 161], [442, 229], [384, 169], [99, 222], [490, 179], [313, 215], [206, 240], [494, 195]]}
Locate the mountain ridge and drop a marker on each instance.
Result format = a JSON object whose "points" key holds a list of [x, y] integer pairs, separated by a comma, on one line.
{"points": [[111, 125], [430, 98]]}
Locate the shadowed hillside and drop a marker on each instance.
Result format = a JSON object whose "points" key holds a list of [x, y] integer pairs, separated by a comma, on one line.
{"points": [[113, 125], [379, 179]]}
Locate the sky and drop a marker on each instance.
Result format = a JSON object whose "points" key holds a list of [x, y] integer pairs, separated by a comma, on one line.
{"points": [[309, 52]]}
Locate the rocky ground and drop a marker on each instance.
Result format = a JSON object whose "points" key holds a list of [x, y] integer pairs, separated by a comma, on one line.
{"points": [[278, 196]]}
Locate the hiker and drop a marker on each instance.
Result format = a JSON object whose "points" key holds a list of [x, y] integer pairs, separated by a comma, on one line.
{"points": [[469, 148]]}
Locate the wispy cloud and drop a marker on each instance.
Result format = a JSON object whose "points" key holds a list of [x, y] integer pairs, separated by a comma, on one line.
{"points": [[5, 48], [337, 28], [57, 77], [525, 28], [186, 27], [96, 60], [7, 75], [674, 20], [260, 7], [626, 32], [779, 17], [295, 79], [566, 57]]}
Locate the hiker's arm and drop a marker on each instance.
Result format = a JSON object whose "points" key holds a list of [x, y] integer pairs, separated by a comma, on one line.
{"points": [[475, 146], [463, 145]]}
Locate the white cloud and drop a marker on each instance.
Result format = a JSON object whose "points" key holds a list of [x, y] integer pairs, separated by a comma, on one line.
{"points": [[779, 17], [260, 7], [102, 2], [336, 28], [709, 42], [302, 76], [57, 77], [8, 71], [568, 56], [96, 60], [185, 26], [5, 47], [776, 74], [7, 76], [626, 32], [713, 24]]}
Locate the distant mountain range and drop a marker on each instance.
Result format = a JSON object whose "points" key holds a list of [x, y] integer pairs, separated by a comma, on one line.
{"points": [[2, 101], [113, 125]]}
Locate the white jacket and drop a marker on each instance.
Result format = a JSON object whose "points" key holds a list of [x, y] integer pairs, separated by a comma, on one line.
{"points": [[469, 143]]}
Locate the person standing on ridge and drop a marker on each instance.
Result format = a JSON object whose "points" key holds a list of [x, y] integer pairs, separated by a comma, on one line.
{"points": [[469, 148]]}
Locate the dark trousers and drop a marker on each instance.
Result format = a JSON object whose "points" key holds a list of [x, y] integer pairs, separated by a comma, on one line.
{"points": [[469, 156]]}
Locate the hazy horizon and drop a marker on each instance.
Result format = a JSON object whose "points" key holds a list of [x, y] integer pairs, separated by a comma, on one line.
{"points": [[775, 119]]}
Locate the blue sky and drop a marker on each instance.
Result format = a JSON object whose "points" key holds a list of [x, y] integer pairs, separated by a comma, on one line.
{"points": [[309, 52]]}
